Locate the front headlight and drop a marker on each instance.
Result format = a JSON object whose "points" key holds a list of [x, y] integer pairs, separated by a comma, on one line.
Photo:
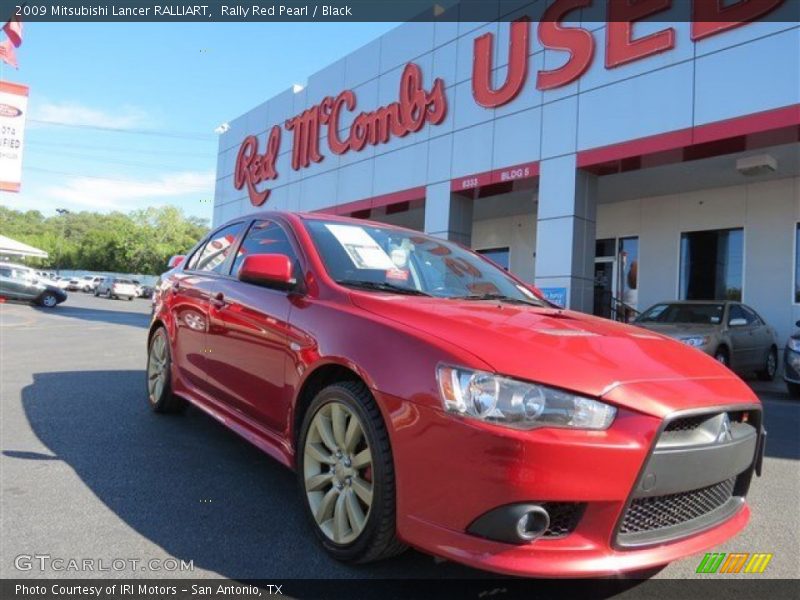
{"points": [[695, 341], [518, 404], [794, 344]]}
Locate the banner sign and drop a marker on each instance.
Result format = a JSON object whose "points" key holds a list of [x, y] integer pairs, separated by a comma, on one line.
{"points": [[13, 109]]}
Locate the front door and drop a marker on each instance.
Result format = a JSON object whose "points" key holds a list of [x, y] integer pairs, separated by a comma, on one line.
{"points": [[604, 286], [742, 335], [249, 333], [190, 296]]}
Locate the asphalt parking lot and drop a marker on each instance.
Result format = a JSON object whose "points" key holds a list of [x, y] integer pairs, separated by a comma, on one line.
{"points": [[89, 472]]}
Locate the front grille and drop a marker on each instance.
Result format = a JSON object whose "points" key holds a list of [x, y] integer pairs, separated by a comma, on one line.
{"points": [[564, 517], [687, 423], [658, 512]]}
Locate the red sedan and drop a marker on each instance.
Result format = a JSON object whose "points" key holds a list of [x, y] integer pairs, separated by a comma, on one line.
{"points": [[426, 397]]}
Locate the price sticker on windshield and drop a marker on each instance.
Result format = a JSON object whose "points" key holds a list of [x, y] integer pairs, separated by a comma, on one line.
{"points": [[361, 247]]}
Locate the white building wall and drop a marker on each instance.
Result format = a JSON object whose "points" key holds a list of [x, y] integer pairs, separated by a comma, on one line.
{"points": [[518, 233], [767, 211]]}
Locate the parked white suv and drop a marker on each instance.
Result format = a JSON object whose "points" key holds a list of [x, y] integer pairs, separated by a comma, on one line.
{"points": [[116, 287]]}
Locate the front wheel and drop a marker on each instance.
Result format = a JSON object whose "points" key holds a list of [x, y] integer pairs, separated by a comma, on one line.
{"points": [[48, 300], [159, 376], [346, 474], [770, 367]]}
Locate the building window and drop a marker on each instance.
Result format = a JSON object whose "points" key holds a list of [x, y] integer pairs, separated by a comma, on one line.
{"points": [[711, 264], [499, 256], [797, 263]]}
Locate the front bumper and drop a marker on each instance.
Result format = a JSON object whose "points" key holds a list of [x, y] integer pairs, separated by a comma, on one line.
{"points": [[450, 471]]}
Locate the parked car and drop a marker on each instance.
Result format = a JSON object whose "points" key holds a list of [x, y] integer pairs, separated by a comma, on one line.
{"points": [[791, 364], [61, 282], [146, 291], [74, 284], [731, 332], [116, 287], [426, 397], [19, 282]]}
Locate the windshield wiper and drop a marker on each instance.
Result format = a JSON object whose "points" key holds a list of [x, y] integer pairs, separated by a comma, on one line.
{"points": [[380, 286], [499, 298]]}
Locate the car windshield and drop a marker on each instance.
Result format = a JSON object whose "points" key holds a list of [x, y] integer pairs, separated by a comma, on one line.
{"points": [[380, 258], [700, 314], [123, 281]]}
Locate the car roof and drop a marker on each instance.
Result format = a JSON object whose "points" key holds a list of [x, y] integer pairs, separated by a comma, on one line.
{"points": [[314, 216]]}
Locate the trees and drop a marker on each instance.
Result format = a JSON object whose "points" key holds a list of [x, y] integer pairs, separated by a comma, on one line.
{"points": [[139, 242]]}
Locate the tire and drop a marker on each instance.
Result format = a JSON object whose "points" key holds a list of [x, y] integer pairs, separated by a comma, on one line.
{"points": [[130, 298], [96, 294], [48, 300], [723, 356], [793, 389], [770, 366], [159, 365], [366, 531]]}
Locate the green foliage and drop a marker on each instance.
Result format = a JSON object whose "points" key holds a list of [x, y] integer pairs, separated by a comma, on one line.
{"points": [[139, 242]]}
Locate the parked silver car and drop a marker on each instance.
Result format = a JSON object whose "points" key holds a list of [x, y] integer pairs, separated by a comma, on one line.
{"points": [[116, 287], [731, 332]]}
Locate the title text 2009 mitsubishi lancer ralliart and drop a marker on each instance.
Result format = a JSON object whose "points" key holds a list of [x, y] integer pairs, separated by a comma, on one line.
{"points": [[426, 397]]}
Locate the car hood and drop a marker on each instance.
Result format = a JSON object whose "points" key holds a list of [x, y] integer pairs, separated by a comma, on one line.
{"points": [[566, 349]]}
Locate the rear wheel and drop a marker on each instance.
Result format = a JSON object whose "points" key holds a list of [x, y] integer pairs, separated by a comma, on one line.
{"points": [[770, 367], [159, 376], [346, 474], [794, 389], [48, 300]]}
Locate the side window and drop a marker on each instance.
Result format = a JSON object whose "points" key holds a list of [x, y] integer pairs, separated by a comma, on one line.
{"points": [[264, 237], [751, 316], [211, 257], [5, 271]]}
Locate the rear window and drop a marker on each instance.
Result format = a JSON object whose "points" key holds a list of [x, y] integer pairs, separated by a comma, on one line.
{"points": [[123, 281]]}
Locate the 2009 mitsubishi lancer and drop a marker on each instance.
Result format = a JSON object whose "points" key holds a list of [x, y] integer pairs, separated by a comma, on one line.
{"points": [[426, 397]]}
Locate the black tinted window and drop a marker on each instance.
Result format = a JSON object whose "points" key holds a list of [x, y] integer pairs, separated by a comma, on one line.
{"points": [[736, 312], [211, 257], [264, 237]]}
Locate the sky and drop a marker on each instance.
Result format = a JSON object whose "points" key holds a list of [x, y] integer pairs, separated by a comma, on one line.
{"points": [[172, 83]]}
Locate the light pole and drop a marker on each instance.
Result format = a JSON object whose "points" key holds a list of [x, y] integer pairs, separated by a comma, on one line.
{"points": [[61, 212]]}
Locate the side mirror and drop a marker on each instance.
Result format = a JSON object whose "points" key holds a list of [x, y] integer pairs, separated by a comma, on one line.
{"points": [[176, 261], [274, 270], [737, 322]]}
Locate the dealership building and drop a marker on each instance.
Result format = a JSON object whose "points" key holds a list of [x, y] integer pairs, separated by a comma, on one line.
{"points": [[614, 165]]}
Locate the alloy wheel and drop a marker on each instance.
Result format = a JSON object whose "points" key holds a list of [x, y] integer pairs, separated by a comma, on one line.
{"points": [[49, 301], [337, 471], [157, 368], [772, 364]]}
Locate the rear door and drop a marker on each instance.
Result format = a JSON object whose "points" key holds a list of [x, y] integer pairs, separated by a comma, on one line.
{"points": [[189, 292], [249, 332]]}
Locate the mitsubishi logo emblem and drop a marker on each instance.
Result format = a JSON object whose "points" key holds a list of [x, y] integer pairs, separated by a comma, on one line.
{"points": [[725, 434]]}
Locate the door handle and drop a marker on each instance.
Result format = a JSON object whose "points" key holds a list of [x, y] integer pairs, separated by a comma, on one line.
{"points": [[218, 300]]}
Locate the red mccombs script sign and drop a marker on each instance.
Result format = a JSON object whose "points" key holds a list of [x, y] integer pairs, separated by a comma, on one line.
{"points": [[416, 106]]}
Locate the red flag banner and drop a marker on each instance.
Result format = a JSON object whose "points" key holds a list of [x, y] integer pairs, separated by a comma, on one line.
{"points": [[13, 30], [7, 54]]}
